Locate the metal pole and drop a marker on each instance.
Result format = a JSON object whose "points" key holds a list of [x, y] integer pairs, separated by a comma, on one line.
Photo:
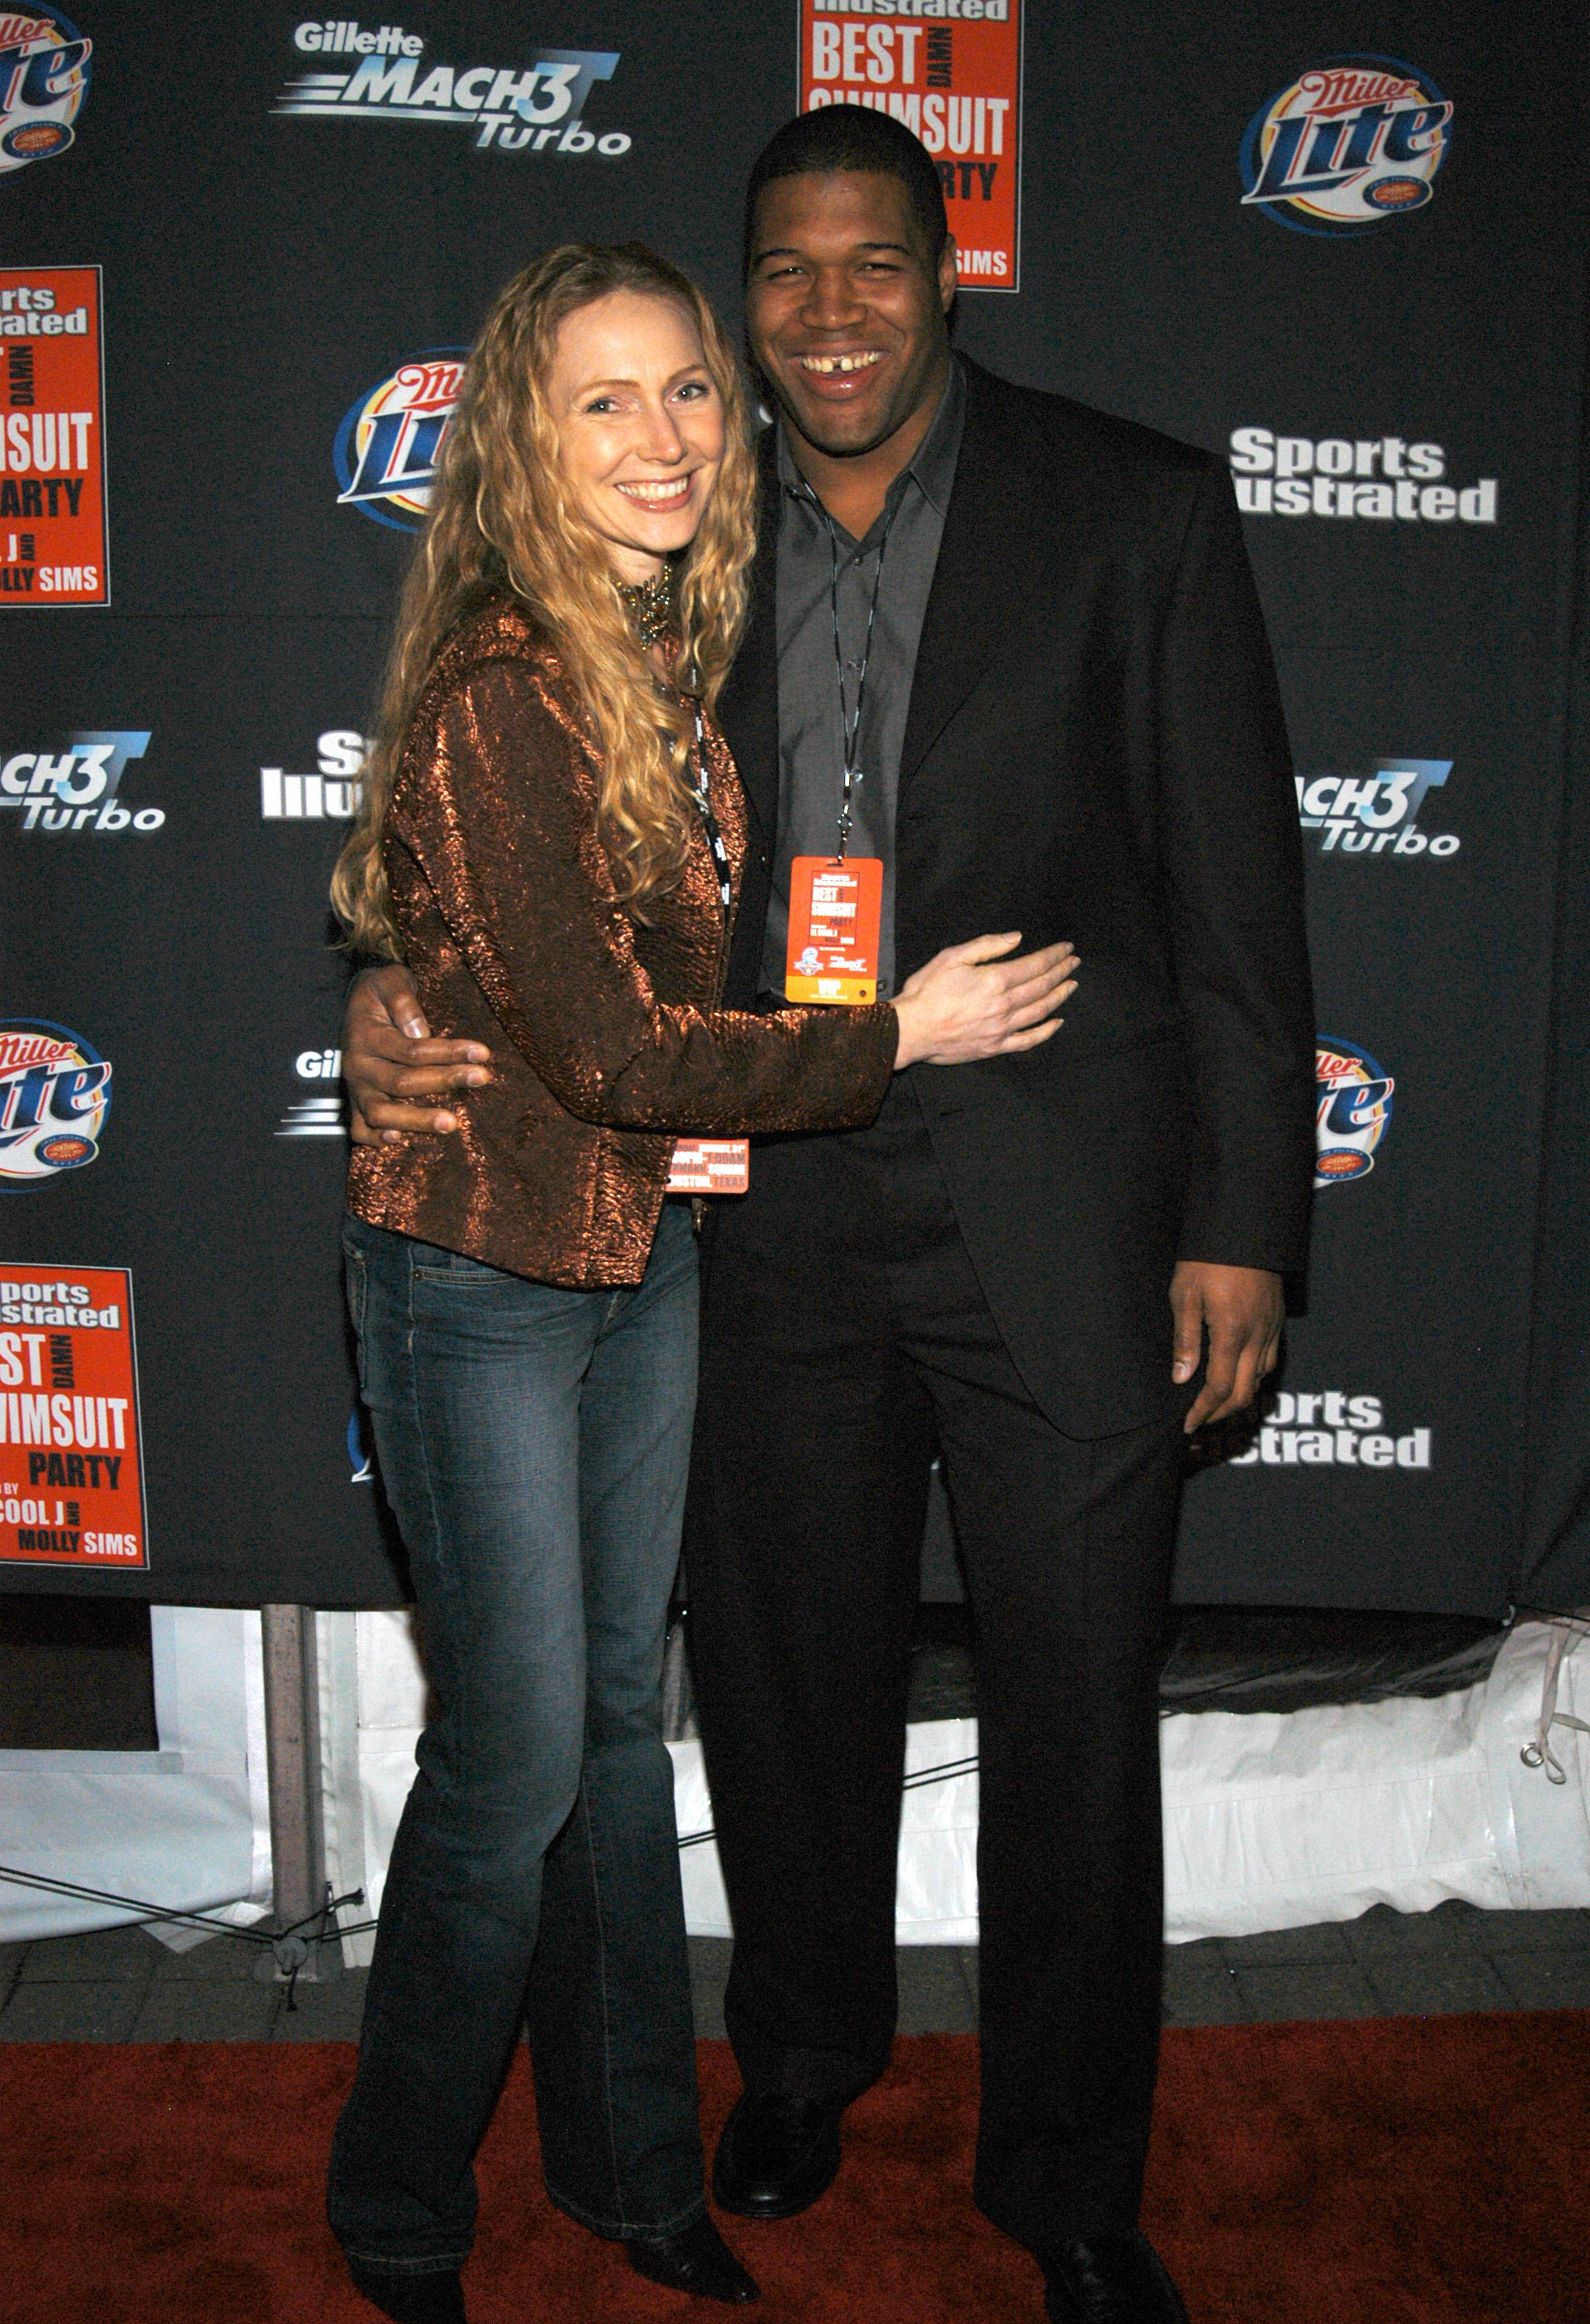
{"points": [[678, 1698], [292, 1757]]}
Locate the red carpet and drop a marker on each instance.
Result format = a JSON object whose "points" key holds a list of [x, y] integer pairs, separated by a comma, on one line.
{"points": [[1408, 2170]]}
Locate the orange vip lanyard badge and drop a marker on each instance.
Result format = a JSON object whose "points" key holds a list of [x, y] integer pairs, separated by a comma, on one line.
{"points": [[837, 901], [836, 907]]}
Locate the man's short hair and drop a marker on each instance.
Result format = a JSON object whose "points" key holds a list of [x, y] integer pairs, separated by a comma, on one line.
{"points": [[852, 137]]}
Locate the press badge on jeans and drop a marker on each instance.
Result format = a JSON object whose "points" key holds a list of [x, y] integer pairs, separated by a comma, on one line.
{"points": [[836, 907], [710, 1166]]}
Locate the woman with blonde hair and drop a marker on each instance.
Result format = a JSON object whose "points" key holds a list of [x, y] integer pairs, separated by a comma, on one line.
{"points": [[550, 839]]}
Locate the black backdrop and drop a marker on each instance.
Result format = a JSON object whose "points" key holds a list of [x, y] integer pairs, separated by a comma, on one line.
{"points": [[265, 270]]}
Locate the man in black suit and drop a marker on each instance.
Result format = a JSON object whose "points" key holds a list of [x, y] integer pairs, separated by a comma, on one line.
{"points": [[1068, 724]]}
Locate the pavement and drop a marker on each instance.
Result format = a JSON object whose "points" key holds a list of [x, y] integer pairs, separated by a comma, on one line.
{"points": [[122, 1985]]}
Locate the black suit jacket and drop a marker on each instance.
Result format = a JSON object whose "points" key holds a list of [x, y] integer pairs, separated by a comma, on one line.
{"points": [[1094, 750]]}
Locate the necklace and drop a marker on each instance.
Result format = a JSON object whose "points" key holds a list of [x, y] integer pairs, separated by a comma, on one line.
{"points": [[649, 606]]}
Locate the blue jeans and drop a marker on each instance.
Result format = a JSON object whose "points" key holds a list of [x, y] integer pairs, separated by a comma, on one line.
{"points": [[533, 1442]]}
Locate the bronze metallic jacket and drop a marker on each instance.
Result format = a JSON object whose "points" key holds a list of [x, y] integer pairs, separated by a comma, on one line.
{"points": [[605, 1034]]}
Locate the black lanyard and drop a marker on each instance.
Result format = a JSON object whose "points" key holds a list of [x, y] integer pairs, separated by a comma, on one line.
{"points": [[850, 716], [703, 798]]}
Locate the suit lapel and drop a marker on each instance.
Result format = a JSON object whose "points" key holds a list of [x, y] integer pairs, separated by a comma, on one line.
{"points": [[748, 708], [978, 575], [977, 588]]}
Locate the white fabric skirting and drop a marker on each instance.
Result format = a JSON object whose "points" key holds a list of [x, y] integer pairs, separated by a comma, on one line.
{"points": [[1272, 1821], [187, 1825]]}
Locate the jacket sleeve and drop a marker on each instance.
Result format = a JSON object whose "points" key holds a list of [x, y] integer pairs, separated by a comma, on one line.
{"points": [[1234, 874], [497, 809]]}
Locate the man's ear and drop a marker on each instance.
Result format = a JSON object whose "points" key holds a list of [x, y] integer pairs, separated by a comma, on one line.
{"points": [[948, 274]]}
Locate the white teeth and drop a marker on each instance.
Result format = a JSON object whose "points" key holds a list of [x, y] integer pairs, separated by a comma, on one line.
{"points": [[828, 364], [664, 494]]}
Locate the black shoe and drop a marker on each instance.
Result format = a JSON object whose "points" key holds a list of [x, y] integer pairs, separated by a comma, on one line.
{"points": [[777, 2154], [699, 2260], [436, 2298], [1109, 2279]]}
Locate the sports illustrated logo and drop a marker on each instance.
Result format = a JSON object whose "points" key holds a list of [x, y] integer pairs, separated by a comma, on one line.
{"points": [[387, 447], [75, 786], [1332, 1430], [1353, 1112], [515, 109], [54, 540], [43, 81], [320, 1116], [956, 83], [331, 794], [1352, 142], [54, 1097], [71, 1452], [1375, 814], [1294, 476]]}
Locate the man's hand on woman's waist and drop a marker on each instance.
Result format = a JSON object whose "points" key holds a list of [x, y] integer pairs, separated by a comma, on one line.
{"points": [[390, 1065]]}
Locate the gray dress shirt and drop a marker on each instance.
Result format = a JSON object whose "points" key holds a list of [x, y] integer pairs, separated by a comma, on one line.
{"points": [[810, 737]]}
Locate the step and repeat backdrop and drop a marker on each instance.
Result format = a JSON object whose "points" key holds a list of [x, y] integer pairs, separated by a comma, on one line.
{"points": [[245, 251]]}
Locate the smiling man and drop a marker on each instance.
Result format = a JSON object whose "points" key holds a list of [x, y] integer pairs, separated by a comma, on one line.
{"points": [[1006, 657], [1030, 630]]}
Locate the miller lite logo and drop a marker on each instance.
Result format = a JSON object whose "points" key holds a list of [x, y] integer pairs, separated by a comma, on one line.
{"points": [[387, 447], [1353, 1111], [43, 81], [1352, 142], [55, 1096]]}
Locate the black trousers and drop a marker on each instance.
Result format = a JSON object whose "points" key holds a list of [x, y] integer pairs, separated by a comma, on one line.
{"points": [[844, 1341]]}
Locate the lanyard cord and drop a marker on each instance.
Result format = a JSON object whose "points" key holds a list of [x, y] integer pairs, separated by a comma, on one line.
{"points": [[849, 716], [703, 798], [702, 795]]}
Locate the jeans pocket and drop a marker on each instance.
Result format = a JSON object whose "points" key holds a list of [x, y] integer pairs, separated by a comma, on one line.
{"points": [[456, 1268]]}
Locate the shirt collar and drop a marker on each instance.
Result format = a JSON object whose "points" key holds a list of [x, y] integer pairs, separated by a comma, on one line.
{"points": [[931, 466]]}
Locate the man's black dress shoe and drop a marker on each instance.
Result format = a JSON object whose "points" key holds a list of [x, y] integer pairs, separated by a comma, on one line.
{"points": [[1109, 2279], [777, 2154], [699, 2260], [408, 2299]]}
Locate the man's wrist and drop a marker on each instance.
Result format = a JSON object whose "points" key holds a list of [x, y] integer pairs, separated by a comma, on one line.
{"points": [[1248, 1265]]}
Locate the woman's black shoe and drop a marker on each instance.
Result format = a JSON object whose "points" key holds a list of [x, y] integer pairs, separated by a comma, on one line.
{"points": [[436, 2298], [699, 2260]]}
